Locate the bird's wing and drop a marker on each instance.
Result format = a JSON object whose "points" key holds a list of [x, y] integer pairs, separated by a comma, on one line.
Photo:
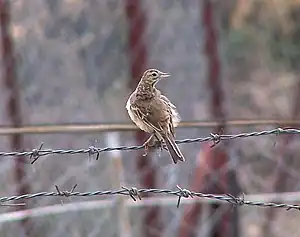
{"points": [[167, 101], [171, 127], [175, 118], [144, 117]]}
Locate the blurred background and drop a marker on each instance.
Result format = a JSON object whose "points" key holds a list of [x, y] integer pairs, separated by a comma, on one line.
{"points": [[67, 69]]}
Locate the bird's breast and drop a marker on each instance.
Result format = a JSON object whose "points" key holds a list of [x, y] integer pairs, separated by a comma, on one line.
{"points": [[136, 119]]}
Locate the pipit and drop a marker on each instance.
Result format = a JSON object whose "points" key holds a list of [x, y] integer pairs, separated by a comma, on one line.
{"points": [[153, 112]]}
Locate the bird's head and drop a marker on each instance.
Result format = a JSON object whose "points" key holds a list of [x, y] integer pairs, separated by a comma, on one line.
{"points": [[152, 76]]}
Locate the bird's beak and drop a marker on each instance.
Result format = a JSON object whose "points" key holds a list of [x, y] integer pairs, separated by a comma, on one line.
{"points": [[164, 74]]}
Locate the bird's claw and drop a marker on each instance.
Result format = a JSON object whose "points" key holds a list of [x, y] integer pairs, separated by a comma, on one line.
{"points": [[164, 146], [147, 145], [146, 149], [150, 143], [161, 144]]}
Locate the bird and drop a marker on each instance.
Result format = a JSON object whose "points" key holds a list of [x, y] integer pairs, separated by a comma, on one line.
{"points": [[154, 113]]}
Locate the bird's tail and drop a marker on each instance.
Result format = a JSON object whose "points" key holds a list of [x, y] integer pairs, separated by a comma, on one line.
{"points": [[173, 149]]}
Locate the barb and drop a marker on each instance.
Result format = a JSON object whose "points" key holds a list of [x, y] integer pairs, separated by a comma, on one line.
{"points": [[92, 151], [135, 192], [236, 201], [216, 138], [65, 193], [183, 193], [35, 154]]}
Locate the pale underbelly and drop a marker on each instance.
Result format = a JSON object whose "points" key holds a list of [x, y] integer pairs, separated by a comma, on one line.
{"points": [[139, 123]]}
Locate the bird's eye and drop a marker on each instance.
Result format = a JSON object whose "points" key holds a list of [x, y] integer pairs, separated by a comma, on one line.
{"points": [[154, 74]]}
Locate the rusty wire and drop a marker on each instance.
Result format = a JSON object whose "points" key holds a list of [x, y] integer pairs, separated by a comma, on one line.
{"points": [[136, 194], [36, 153], [125, 127]]}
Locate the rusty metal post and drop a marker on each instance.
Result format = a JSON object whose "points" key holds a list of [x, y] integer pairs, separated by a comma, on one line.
{"points": [[13, 102], [138, 61], [220, 160]]}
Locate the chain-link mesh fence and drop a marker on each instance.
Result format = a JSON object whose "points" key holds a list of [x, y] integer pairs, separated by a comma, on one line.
{"points": [[74, 61]]}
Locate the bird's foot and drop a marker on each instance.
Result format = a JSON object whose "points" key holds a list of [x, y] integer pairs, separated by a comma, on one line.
{"points": [[163, 146], [148, 145], [152, 143], [160, 144], [146, 150]]}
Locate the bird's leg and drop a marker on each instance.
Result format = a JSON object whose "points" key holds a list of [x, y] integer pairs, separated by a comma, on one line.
{"points": [[146, 144], [161, 142]]}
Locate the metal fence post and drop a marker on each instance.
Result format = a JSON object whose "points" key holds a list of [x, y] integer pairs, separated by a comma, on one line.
{"points": [[138, 61], [13, 102]]}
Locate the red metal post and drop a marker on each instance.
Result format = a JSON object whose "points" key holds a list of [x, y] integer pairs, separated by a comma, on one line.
{"points": [[13, 106], [138, 62], [220, 160], [213, 160]]}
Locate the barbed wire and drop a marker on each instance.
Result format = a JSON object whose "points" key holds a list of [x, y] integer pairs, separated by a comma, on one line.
{"points": [[136, 193], [34, 154]]}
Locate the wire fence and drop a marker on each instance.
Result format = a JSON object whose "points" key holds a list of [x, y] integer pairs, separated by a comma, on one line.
{"points": [[72, 65], [215, 138], [136, 194]]}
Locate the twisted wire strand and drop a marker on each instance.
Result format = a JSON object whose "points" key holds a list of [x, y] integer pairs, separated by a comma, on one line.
{"points": [[215, 138], [135, 194]]}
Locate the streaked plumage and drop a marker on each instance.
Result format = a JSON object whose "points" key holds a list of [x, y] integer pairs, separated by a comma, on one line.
{"points": [[153, 112]]}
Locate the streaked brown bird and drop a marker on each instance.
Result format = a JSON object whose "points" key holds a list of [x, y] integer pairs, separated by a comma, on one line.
{"points": [[153, 112]]}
